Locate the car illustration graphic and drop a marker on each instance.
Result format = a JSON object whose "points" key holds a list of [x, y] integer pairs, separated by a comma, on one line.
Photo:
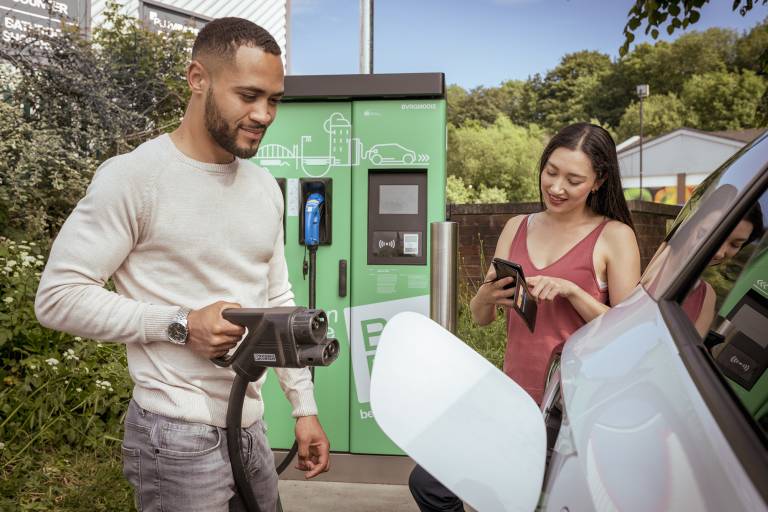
{"points": [[391, 153]]}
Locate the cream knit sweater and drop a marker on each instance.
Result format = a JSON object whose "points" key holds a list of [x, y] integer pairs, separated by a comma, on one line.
{"points": [[171, 232]]}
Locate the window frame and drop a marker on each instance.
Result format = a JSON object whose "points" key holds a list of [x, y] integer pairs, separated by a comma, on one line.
{"points": [[740, 429]]}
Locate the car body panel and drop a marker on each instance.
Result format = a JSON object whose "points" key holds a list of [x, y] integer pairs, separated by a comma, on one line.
{"points": [[443, 403], [638, 435]]}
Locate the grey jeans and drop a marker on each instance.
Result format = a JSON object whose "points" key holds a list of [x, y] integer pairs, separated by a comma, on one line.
{"points": [[174, 465]]}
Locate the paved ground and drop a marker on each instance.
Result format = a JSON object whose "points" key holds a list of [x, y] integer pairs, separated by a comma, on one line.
{"points": [[300, 496], [313, 496]]}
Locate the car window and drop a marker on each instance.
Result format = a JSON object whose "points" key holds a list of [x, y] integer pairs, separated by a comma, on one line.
{"points": [[712, 200], [728, 306]]}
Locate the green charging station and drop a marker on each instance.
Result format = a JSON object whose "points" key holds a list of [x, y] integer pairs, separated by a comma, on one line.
{"points": [[744, 360], [375, 147]]}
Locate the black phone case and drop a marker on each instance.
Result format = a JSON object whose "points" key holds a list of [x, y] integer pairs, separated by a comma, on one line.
{"points": [[524, 304], [506, 268]]}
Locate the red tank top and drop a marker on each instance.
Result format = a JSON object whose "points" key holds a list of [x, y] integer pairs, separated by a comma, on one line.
{"points": [[528, 354], [694, 302]]}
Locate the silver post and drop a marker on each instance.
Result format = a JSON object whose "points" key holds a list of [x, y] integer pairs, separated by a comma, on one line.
{"points": [[366, 37], [642, 92], [443, 271]]}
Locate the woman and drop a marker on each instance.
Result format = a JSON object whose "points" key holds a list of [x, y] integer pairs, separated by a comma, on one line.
{"points": [[579, 256]]}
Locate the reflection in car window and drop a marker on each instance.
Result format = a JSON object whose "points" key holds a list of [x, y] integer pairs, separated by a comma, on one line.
{"points": [[728, 305], [711, 201]]}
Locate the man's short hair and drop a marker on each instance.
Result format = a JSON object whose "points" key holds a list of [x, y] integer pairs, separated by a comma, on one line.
{"points": [[222, 37]]}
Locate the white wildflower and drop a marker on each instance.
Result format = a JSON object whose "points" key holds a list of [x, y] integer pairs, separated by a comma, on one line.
{"points": [[11, 263], [2, 445], [8, 300], [79, 390], [78, 338], [7, 269], [52, 361]]}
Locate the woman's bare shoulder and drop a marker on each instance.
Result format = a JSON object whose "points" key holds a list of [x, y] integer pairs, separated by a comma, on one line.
{"points": [[618, 233], [508, 234]]}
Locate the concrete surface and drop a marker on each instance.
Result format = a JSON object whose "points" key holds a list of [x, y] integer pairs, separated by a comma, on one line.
{"points": [[300, 496], [316, 496]]}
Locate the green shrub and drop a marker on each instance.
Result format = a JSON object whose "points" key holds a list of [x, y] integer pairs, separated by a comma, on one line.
{"points": [[54, 388]]}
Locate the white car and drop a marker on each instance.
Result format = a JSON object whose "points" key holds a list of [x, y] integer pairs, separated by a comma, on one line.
{"points": [[642, 412]]}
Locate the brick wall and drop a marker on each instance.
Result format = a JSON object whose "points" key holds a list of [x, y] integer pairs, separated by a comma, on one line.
{"points": [[480, 225]]}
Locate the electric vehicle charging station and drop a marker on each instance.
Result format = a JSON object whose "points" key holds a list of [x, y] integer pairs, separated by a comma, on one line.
{"points": [[373, 147]]}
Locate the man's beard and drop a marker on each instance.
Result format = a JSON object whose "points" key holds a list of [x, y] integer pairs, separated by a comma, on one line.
{"points": [[224, 135]]}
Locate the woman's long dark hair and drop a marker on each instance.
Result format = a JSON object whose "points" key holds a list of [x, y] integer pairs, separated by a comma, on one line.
{"points": [[598, 145]]}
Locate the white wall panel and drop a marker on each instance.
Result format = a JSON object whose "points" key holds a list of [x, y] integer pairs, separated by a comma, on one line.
{"points": [[693, 153], [270, 14]]}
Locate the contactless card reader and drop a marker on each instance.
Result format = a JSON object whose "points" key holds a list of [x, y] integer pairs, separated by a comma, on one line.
{"points": [[745, 356], [397, 217]]}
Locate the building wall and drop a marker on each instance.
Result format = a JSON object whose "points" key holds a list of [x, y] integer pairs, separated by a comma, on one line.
{"points": [[688, 152], [270, 14], [481, 224]]}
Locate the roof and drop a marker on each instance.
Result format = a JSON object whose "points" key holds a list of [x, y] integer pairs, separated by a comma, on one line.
{"points": [[736, 135]]}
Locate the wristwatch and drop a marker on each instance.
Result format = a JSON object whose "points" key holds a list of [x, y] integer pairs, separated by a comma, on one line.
{"points": [[177, 330]]}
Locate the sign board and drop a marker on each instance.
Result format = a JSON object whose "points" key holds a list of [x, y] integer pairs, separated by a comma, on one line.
{"points": [[19, 17], [162, 18]]}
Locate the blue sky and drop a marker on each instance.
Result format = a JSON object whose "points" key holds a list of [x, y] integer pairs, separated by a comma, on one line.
{"points": [[474, 42]]}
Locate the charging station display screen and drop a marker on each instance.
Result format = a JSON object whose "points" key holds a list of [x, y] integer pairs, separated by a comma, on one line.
{"points": [[398, 199], [397, 217]]}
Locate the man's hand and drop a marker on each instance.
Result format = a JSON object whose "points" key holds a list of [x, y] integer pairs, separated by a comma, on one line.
{"points": [[314, 448], [210, 335]]}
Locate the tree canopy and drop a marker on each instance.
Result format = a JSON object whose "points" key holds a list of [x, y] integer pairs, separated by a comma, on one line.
{"points": [[71, 102]]}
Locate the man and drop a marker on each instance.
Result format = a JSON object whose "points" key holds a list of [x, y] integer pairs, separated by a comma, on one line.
{"points": [[187, 229]]}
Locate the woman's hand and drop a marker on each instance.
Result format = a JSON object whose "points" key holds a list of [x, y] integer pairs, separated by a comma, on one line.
{"points": [[492, 293], [547, 288]]}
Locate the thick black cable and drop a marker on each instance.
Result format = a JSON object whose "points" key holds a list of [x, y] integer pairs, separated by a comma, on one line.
{"points": [[234, 418]]}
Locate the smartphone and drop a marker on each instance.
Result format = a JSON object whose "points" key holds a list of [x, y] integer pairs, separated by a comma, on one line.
{"points": [[506, 268], [524, 304]]}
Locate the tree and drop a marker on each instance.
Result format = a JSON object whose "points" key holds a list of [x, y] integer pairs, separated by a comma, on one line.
{"points": [[458, 192], [724, 101], [661, 114], [503, 156], [456, 97], [676, 14], [567, 90], [72, 102], [679, 14], [751, 48], [520, 101]]}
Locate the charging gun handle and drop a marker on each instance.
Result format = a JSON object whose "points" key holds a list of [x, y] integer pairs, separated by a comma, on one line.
{"points": [[234, 316]]}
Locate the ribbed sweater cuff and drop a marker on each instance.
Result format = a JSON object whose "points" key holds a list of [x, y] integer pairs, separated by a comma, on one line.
{"points": [[156, 320], [303, 403]]}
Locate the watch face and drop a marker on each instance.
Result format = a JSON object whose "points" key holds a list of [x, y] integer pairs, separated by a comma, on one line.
{"points": [[177, 332]]}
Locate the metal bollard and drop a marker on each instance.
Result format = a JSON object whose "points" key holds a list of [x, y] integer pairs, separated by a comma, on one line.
{"points": [[443, 273]]}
